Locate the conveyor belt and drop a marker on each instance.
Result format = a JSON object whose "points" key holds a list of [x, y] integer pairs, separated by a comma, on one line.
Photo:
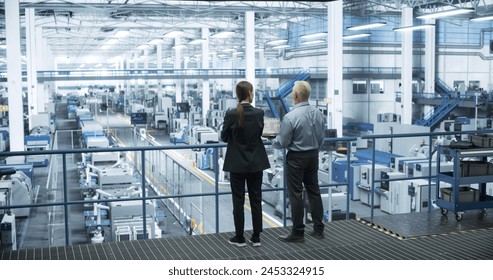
{"points": [[345, 240]]}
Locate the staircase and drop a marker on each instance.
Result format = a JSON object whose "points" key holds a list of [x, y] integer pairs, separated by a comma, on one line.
{"points": [[435, 116]]}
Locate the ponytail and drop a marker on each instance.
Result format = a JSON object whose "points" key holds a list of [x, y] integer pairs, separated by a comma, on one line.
{"points": [[243, 90], [239, 109]]}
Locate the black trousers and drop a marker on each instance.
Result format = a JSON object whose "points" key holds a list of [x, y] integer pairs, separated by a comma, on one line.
{"points": [[254, 185], [302, 170]]}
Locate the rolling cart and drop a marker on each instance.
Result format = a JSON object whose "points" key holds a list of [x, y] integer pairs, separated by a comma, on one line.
{"points": [[470, 167]]}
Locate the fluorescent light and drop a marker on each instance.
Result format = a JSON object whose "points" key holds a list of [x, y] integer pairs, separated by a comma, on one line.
{"points": [[179, 47], [446, 13], [313, 42], [174, 34], [413, 27], [354, 36], [122, 33], [197, 41], [313, 35], [238, 53], [223, 35], [277, 42], [281, 46], [229, 50], [366, 26], [111, 41], [143, 47], [3, 47], [156, 41], [482, 18]]}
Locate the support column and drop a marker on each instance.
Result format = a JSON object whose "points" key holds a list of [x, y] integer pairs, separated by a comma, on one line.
{"points": [[250, 51], [334, 76], [159, 65], [32, 79], [205, 81], [127, 91], [407, 67], [14, 75], [40, 60], [178, 82], [430, 54], [146, 81]]}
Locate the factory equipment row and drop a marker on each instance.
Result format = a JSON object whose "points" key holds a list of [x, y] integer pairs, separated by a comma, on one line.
{"points": [[110, 175]]}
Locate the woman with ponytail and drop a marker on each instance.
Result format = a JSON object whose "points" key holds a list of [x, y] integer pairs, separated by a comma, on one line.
{"points": [[245, 160]]}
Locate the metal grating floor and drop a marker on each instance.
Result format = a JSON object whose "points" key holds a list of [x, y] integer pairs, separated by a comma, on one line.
{"points": [[345, 240]]}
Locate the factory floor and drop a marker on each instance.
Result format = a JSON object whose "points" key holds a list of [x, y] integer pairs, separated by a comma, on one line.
{"points": [[418, 236]]}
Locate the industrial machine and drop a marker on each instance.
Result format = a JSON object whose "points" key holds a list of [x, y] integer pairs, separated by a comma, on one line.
{"points": [[411, 196], [39, 139], [385, 189], [340, 174], [17, 189], [365, 186]]}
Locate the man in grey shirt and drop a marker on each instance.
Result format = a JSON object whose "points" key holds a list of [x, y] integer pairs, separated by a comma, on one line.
{"points": [[302, 133]]}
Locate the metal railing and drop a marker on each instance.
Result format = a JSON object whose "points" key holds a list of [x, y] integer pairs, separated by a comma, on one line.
{"points": [[145, 159]]}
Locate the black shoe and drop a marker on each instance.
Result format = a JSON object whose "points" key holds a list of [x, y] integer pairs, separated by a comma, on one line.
{"points": [[255, 240], [317, 234], [237, 241], [292, 239]]}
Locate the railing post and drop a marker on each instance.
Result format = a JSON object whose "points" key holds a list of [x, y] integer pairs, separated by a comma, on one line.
{"points": [[349, 177], [65, 199], [144, 214], [372, 187], [216, 185]]}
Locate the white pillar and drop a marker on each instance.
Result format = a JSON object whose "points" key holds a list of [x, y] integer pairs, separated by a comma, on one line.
{"points": [[40, 60], [32, 81], [14, 75], [430, 58], [146, 66], [407, 66], [205, 81], [159, 65], [334, 76], [250, 50], [178, 82]]}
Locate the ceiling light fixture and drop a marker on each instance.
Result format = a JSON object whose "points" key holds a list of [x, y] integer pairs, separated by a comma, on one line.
{"points": [[313, 36], [413, 27], [122, 33], [313, 42], [156, 41], [174, 34], [366, 26], [445, 13], [355, 36], [485, 18], [179, 47], [223, 35], [276, 42], [197, 41], [280, 47]]}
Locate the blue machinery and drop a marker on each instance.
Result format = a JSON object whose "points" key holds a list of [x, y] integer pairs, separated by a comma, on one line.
{"points": [[284, 91]]}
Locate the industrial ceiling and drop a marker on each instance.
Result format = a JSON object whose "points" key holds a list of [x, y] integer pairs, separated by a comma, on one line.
{"points": [[86, 32]]}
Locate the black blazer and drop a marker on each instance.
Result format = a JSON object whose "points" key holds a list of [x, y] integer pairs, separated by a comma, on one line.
{"points": [[246, 152]]}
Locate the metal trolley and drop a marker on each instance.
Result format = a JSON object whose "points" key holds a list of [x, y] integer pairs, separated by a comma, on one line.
{"points": [[470, 167]]}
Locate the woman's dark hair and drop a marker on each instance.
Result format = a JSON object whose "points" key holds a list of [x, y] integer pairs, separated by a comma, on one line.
{"points": [[243, 89]]}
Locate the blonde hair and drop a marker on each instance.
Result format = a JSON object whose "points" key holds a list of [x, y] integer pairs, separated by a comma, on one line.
{"points": [[303, 89]]}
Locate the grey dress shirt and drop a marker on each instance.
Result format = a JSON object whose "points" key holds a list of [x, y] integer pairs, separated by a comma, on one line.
{"points": [[302, 129]]}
